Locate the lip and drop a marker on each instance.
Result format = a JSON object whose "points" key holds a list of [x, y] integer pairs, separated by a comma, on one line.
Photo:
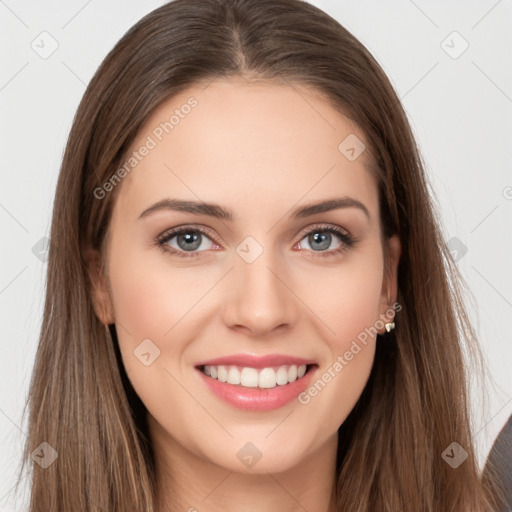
{"points": [[257, 399], [252, 361]]}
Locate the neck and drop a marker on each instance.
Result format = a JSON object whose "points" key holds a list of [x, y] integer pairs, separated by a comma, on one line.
{"points": [[187, 482]]}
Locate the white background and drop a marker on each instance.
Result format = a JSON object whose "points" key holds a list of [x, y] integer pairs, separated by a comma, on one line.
{"points": [[460, 110]]}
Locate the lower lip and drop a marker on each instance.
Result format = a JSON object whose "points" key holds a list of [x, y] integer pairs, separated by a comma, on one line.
{"points": [[258, 399]]}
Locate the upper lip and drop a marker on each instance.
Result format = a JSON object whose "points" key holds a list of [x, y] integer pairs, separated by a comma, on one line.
{"points": [[251, 361]]}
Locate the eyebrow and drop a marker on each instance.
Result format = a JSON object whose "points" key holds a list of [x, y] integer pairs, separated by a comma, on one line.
{"points": [[217, 211]]}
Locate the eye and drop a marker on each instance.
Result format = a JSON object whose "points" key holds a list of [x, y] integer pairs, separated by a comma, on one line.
{"points": [[321, 237], [188, 240], [191, 240]]}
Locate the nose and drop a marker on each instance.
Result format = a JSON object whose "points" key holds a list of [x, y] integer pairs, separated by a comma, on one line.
{"points": [[259, 298]]}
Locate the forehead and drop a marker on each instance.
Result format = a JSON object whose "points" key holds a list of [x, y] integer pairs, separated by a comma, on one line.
{"points": [[249, 144]]}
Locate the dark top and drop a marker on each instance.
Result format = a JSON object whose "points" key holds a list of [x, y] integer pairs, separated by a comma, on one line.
{"points": [[501, 457]]}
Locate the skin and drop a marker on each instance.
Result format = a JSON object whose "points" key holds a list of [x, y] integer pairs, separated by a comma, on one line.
{"points": [[259, 149]]}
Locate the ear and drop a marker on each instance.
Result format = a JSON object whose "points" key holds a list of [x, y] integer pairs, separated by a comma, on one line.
{"points": [[98, 285], [389, 294]]}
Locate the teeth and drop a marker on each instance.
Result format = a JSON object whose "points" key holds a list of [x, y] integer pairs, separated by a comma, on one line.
{"points": [[249, 377], [222, 374], [267, 378], [252, 378], [282, 376], [233, 376]]}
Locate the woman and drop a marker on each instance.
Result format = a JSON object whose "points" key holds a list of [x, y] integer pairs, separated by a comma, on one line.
{"points": [[199, 349]]}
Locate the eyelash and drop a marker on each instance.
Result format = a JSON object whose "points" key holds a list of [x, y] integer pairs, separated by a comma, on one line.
{"points": [[347, 240]]}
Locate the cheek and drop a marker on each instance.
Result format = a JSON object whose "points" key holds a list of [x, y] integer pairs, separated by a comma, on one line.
{"points": [[346, 298], [151, 308], [149, 295], [349, 308], [150, 302]]}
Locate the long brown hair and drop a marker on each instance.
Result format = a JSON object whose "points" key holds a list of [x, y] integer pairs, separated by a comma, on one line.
{"points": [[416, 402]]}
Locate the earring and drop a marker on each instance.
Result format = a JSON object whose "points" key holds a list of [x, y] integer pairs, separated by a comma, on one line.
{"points": [[389, 326]]}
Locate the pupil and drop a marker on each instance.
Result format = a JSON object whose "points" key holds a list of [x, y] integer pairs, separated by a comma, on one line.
{"points": [[192, 241], [323, 238]]}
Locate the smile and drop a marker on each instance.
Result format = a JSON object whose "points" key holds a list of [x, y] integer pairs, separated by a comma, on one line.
{"points": [[248, 377], [257, 390]]}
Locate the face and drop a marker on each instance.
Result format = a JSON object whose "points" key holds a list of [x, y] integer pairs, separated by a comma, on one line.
{"points": [[261, 281]]}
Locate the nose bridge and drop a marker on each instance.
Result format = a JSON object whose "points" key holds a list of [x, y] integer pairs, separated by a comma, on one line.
{"points": [[261, 300]]}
